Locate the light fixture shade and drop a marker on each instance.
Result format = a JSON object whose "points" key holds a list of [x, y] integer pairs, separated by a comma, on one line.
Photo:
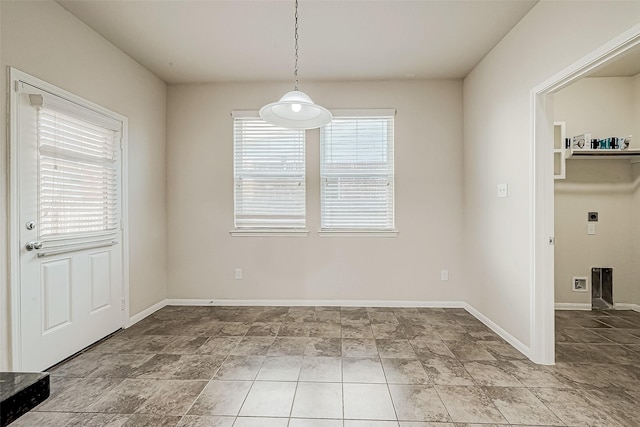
{"points": [[295, 110]]}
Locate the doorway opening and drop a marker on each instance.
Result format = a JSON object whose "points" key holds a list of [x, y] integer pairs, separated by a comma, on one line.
{"points": [[545, 161]]}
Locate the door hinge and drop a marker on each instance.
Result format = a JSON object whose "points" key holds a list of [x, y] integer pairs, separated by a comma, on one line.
{"points": [[122, 304]]}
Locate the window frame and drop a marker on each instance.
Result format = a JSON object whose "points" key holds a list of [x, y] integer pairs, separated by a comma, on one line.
{"points": [[254, 231], [355, 231]]}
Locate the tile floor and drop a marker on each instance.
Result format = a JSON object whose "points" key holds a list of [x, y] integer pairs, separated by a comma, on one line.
{"points": [[345, 367]]}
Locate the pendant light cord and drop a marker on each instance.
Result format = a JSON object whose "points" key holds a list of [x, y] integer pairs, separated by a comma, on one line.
{"points": [[295, 72]]}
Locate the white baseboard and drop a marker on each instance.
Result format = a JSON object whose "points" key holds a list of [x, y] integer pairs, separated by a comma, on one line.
{"points": [[587, 306], [626, 306], [516, 343], [325, 303], [572, 306], [146, 312]]}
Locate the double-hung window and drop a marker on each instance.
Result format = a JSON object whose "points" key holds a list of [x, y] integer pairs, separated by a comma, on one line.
{"points": [[356, 171], [269, 175]]}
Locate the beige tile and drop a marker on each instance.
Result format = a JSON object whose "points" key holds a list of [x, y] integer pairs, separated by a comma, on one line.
{"points": [[221, 398], [239, 368], [368, 402], [77, 394], [405, 371], [400, 349], [261, 422], [491, 374], [369, 423], [205, 421], [269, 399], [391, 331], [253, 346], [172, 398], [329, 347], [321, 369], [317, 400], [288, 346], [362, 370], [573, 408], [219, 345], [309, 422], [280, 369], [359, 347], [469, 405], [146, 420], [429, 348], [126, 397], [418, 403], [427, 424], [469, 350], [519, 406], [447, 371]]}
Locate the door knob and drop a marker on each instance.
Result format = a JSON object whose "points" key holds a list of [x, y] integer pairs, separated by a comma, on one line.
{"points": [[33, 245]]}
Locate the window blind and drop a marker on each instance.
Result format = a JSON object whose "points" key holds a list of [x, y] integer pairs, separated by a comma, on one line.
{"points": [[357, 174], [79, 177], [269, 175]]}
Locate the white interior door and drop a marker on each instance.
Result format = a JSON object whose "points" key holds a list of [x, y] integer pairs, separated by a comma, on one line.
{"points": [[70, 227]]}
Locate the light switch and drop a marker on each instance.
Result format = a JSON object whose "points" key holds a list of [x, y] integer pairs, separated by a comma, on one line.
{"points": [[591, 228], [503, 190]]}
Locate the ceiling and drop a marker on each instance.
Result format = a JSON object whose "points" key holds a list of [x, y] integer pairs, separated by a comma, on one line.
{"points": [[187, 41]]}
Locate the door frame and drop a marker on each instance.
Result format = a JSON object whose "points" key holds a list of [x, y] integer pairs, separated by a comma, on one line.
{"points": [[15, 76], [542, 189]]}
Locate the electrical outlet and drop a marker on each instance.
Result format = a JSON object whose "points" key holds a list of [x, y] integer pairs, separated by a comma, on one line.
{"points": [[503, 190], [238, 274], [444, 275]]}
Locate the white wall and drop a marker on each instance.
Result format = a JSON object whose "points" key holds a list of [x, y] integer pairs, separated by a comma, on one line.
{"points": [[497, 132], [428, 196], [44, 40], [603, 107]]}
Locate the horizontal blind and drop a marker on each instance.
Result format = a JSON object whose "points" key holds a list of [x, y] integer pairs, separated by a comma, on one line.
{"points": [[357, 173], [78, 179], [269, 175]]}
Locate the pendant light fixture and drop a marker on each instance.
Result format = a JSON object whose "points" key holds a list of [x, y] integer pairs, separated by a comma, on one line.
{"points": [[295, 110]]}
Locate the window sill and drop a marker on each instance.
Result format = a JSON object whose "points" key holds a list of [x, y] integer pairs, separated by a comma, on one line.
{"points": [[358, 233], [269, 233]]}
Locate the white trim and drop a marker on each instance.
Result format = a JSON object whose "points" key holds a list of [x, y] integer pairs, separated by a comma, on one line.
{"points": [[516, 343], [358, 233], [626, 306], [323, 303], [271, 233], [145, 313], [14, 77], [541, 259], [572, 306]]}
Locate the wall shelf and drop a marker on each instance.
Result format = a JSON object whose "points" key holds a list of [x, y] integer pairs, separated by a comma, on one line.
{"points": [[602, 154], [562, 154]]}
